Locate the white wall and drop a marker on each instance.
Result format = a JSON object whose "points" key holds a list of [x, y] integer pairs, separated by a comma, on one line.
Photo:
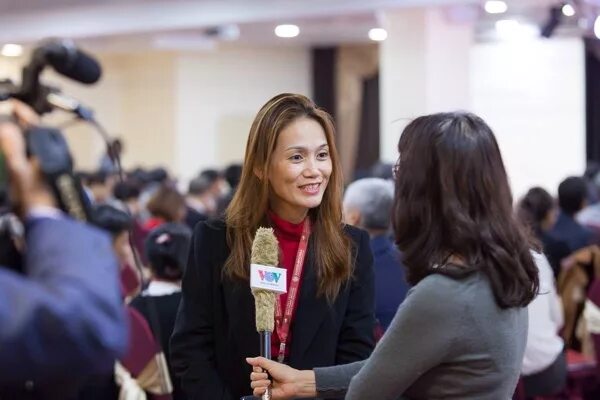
{"points": [[424, 69], [193, 110], [532, 93], [184, 111], [218, 95]]}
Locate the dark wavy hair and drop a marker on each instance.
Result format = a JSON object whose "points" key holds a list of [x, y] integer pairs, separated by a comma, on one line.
{"points": [[453, 199], [534, 208]]}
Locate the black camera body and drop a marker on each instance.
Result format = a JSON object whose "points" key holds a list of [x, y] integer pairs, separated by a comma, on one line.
{"points": [[46, 144]]}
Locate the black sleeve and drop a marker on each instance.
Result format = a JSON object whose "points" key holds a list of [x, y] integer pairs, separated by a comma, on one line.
{"points": [[192, 343], [356, 340]]}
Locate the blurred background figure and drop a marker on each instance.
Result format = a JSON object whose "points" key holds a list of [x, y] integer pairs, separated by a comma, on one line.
{"points": [[572, 198], [108, 162], [118, 223], [166, 250], [538, 210], [205, 191], [368, 205], [233, 175], [544, 363], [100, 185], [60, 317], [166, 205]]}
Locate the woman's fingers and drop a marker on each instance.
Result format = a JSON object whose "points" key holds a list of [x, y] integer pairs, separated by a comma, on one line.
{"points": [[258, 376], [259, 391], [264, 383]]}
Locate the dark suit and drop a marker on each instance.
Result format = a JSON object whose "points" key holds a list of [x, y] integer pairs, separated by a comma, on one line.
{"points": [[390, 282], [65, 320], [215, 328], [571, 232]]}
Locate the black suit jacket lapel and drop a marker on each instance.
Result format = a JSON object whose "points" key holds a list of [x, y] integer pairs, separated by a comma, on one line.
{"points": [[309, 313]]}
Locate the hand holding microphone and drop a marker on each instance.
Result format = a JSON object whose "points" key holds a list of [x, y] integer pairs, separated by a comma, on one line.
{"points": [[266, 281], [284, 381]]}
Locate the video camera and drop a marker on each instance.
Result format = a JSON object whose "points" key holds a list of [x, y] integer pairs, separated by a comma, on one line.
{"points": [[47, 144]]}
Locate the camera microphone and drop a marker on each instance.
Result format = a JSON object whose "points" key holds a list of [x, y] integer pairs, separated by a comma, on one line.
{"points": [[66, 59]]}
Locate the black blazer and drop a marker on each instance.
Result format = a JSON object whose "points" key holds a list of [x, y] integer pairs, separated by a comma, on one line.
{"points": [[215, 329]]}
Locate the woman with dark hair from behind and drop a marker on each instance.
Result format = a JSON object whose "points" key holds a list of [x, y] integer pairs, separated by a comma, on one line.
{"points": [[461, 332], [537, 209]]}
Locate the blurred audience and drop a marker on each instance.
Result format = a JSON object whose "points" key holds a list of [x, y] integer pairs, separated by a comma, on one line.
{"points": [[232, 174], [166, 205], [537, 209], [128, 193], [166, 250], [204, 192], [100, 185], [108, 162], [368, 205], [544, 363], [590, 215], [572, 198], [118, 224], [383, 170]]}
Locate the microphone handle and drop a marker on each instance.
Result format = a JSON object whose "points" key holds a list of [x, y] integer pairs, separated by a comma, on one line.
{"points": [[265, 351]]}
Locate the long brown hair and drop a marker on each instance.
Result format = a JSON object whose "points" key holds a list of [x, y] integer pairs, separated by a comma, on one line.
{"points": [[248, 208], [453, 198]]}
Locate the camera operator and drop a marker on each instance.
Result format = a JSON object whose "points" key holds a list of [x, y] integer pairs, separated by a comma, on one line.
{"points": [[62, 320]]}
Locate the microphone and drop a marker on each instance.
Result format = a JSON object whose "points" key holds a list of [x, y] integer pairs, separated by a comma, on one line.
{"points": [[266, 282], [68, 60]]}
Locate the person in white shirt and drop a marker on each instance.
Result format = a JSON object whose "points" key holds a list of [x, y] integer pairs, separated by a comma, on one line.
{"points": [[544, 367]]}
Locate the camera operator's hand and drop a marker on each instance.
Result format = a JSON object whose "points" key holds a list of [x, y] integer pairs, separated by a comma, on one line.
{"points": [[27, 188]]}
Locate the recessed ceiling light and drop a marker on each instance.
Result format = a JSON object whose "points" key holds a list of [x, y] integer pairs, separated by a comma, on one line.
{"points": [[568, 10], [12, 50], [287, 31], [495, 7], [378, 34], [597, 27]]}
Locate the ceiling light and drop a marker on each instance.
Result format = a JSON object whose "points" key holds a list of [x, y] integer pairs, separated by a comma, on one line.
{"points": [[287, 31], [12, 50], [495, 7], [597, 27], [568, 10], [378, 34]]}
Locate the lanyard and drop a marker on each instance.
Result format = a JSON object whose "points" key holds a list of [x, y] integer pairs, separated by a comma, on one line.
{"points": [[283, 320]]}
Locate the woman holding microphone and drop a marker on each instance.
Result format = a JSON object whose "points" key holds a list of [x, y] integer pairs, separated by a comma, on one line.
{"points": [[291, 181], [461, 332]]}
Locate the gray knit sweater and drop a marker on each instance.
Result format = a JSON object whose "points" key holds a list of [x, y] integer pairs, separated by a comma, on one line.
{"points": [[448, 340]]}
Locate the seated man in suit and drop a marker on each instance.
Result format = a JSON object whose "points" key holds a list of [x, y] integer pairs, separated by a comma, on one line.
{"points": [[368, 205], [63, 319], [572, 198]]}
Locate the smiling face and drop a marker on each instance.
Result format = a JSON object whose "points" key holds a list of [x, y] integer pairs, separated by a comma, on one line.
{"points": [[299, 170]]}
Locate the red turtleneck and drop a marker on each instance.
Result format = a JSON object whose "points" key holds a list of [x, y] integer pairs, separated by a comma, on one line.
{"points": [[288, 235]]}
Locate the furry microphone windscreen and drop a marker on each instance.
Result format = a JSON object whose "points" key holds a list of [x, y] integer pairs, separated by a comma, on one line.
{"points": [[265, 251]]}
